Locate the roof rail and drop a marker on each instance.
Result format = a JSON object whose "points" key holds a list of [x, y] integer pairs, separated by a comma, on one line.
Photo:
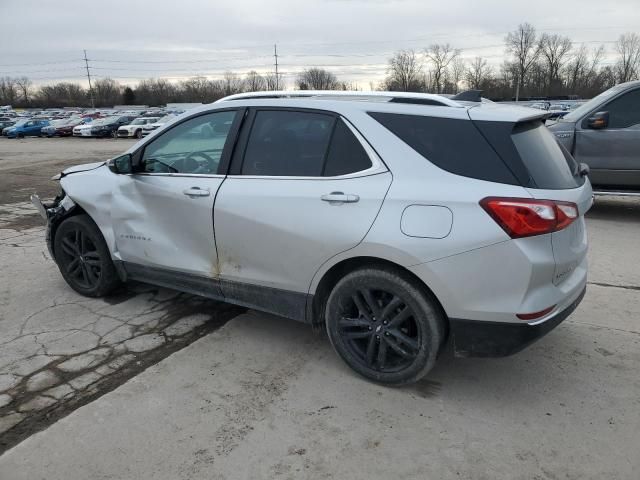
{"points": [[396, 97]]}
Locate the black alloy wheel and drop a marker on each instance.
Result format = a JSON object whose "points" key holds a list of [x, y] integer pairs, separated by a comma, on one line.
{"points": [[83, 257], [380, 329], [385, 325]]}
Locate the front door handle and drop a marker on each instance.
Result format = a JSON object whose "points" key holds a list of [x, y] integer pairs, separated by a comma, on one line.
{"points": [[339, 197], [196, 192]]}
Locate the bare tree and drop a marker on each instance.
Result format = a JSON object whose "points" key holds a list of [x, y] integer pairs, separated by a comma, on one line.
{"points": [[554, 50], [24, 86], [582, 70], [628, 66], [106, 92], [440, 56], [8, 91], [273, 83], [404, 71], [522, 44], [477, 73], [457, 69], [317, 79], [232, 83], [254, 82]]}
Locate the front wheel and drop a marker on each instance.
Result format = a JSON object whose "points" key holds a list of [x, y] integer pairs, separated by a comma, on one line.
{"points": [[138, 133], [83, 257], [384, 326]]}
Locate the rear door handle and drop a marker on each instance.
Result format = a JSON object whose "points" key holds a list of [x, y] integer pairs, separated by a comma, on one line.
{"points": [[196, 192], [339, 197]]}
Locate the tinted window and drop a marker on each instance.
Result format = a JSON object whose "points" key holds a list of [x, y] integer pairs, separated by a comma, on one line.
{"points": [[287, 143], [346, 154], [624, 111], [453, 145], [549, 165], [194, 146]]}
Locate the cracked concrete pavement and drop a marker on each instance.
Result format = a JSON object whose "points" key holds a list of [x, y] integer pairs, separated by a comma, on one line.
{"points": [[57, 348], [263, 397]]}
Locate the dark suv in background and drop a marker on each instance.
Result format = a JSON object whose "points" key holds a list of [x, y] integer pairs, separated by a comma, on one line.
{"points": [[604, 133]]}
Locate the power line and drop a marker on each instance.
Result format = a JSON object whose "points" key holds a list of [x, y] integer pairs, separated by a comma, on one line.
{"points": [[86, 62]]}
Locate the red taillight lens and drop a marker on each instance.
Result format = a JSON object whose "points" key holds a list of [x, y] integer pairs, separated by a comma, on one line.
{"points": [[523, 217]]}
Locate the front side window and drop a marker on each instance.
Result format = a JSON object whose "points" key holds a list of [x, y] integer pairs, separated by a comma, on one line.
{"points": [[302, 144], [624, 111], [194, 146]]}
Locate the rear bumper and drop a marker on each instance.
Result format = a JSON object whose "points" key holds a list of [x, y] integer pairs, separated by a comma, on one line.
{"points": [[472, 338]]}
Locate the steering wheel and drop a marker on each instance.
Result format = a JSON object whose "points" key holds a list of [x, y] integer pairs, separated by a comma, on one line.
{"points": [[192, 165]]}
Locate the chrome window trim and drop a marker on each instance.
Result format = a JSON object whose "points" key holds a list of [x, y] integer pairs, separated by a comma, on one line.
{"points": [[163, 174]]}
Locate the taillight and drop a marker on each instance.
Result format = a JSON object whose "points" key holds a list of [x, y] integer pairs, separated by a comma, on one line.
{"points": [[524, 217]]}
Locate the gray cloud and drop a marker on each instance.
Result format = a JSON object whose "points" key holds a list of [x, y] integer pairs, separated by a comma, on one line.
{"points": [[128, 39]]}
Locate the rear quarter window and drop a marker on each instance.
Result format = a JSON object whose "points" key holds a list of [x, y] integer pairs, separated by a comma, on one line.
{"points": [[534, 155], [451, 144]]}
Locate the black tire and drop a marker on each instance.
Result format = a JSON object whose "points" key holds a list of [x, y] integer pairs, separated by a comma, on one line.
{"points": [[20, 135], [384, 325], [83, 257], [138, 133]]}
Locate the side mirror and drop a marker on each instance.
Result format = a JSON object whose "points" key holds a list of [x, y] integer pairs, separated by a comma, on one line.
{"points": [[598, 120], [121, 164], [583, 169]]}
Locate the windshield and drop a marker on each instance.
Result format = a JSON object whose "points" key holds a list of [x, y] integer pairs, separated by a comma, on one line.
{"points": [[579, 112], [138, 121], [20, 123]]}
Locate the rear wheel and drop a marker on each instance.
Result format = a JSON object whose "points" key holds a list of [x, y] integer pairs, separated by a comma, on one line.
{"points": [[83, 257], [384, 326]]}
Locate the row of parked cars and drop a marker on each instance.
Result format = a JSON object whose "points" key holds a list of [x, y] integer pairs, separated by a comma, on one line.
{"points": [[94, 124]]}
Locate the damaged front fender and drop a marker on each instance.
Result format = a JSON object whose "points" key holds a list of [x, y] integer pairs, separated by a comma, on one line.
{"points": [[53, 213]]}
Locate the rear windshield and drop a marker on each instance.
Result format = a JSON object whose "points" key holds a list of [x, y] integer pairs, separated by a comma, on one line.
{"points": [[524, 154], [549, 164]]}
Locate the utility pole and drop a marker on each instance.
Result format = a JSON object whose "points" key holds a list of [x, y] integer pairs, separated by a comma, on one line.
{"points": [[86, 63], [275, 55]]}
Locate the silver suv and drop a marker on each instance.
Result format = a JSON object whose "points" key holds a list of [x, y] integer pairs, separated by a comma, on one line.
{"points": [[396, 221]]}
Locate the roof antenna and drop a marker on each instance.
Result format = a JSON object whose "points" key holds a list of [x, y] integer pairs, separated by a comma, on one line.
{"points": [[469, 96]]}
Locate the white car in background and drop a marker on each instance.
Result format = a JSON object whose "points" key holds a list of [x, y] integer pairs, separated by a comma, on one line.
{"points": [[134, 129], [150, 127], [83, 130]]}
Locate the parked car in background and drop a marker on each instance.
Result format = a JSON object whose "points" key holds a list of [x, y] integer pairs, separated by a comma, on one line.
{"points": [[108, 127], [150, 127], [64, 127], [27, 128], [395, 221], [604, 133], [134, 129], [6, 122], [103, 127]]}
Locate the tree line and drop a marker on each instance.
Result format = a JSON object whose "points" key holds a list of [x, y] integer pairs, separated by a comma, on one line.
{"points": [[536, 65]]}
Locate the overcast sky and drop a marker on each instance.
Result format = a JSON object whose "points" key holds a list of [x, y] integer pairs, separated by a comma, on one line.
{"points": [[131, 39]]}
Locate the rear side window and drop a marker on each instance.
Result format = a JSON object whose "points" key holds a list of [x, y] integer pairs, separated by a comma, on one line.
{"points": [[346, 154], [302, 144], [287, 143], [453, 145]]}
